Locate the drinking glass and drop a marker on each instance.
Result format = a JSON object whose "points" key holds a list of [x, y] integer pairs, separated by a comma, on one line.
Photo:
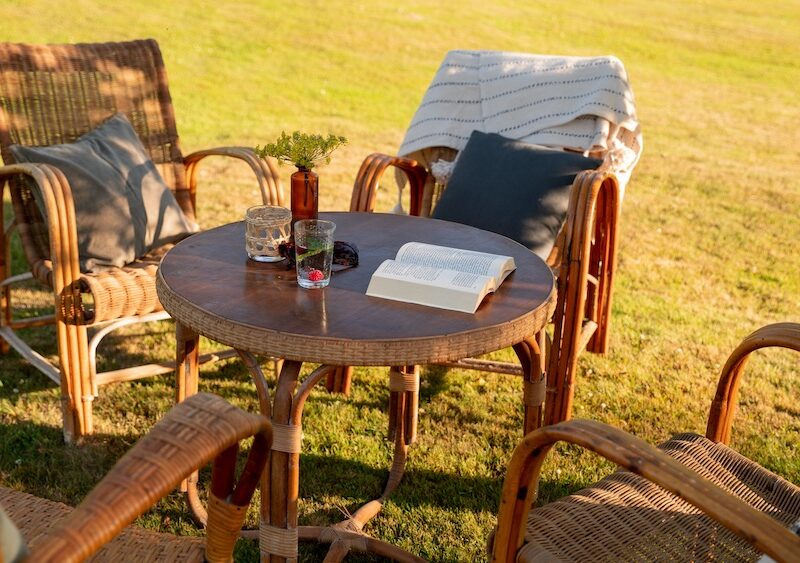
{"points": [[266, 227], [313, 246]]}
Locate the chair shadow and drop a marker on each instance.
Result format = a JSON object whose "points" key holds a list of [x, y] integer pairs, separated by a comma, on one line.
{"points": [[361, 483], [70, 472], [434, 381]]}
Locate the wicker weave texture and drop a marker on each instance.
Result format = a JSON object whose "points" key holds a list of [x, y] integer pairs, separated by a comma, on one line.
{"points": [[192, 433], [34, 516], [627, 518], [53, 94]]}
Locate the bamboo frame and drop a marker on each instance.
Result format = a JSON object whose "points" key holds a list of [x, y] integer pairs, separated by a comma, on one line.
{"points": [[633, 454], [126, 295], [280, 481], [637, 456], [723, 408], [590, 229]]}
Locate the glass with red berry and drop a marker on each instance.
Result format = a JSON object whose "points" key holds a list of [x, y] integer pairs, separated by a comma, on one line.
{"points": [[313, 245]]}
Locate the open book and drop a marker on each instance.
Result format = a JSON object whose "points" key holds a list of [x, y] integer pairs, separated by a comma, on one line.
{"points": [[438, 276]]}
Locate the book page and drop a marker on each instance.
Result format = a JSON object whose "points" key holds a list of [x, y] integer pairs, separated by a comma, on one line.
{"points": [[435, 287], [434, 256], [463, 281]]}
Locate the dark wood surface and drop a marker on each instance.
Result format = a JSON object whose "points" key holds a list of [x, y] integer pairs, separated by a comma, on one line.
{"points": [[208, 283]]}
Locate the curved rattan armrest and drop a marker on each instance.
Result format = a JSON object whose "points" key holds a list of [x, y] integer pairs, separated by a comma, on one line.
{"points": [[193, 433], [264, 168], [636, 455], [723, 408], [584, 260], [371, 172], [593, 193], [59, 208]]}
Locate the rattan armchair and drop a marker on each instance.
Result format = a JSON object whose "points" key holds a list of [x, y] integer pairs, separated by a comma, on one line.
{"points": [[529, 98], [52, 94], [692, 498], [583, 260], [202, 428]]}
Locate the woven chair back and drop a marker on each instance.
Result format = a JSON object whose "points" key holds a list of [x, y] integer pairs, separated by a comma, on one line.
{"points": [[51, 94]]}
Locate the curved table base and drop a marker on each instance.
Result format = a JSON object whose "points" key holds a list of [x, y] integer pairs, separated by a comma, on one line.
{"points": [[279, 533]]}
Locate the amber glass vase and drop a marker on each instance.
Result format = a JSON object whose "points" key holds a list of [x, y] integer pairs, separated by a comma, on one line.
{"points": [[305, 195]]}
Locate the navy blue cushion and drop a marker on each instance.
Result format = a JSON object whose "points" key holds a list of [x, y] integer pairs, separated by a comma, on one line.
{"points": [[512, 188]]}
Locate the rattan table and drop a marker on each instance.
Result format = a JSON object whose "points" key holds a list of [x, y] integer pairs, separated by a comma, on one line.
{"points": [[210, 287]]}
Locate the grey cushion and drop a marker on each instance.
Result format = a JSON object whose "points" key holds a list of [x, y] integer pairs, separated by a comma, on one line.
{"points": [[123, 208], [512, 188]]}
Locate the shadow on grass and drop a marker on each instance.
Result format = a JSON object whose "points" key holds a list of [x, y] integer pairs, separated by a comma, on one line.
{"points": [[34, 458], [18, 376], [360, 483]]}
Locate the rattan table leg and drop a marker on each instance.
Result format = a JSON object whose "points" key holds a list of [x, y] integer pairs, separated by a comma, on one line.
{"points": [[404, 401], [279, 501], [280, 486], [339, 380], [534, 380]]}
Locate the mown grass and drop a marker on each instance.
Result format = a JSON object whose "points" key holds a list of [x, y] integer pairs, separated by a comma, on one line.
{"points": [[709, 246]]}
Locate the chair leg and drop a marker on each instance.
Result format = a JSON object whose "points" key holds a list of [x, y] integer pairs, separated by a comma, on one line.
{"points": [[338, 381], [187, 353], [76, 399]]}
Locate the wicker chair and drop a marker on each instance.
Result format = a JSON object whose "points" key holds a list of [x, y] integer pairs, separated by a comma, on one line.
{"points": [[202, 428], [52, 94], [692, 498], [583, 259]]}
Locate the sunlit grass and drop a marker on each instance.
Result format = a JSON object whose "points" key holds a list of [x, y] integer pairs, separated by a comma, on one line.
{"points": [[708, 249]]}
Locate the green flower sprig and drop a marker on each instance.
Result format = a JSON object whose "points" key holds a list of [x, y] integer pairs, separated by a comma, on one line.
{"points": [[302, 149]]}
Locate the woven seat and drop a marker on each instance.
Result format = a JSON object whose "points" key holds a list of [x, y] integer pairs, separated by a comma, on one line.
{"points": [[95, 530], [691, 499], [611, 521], [34, 516], [78, 87]]}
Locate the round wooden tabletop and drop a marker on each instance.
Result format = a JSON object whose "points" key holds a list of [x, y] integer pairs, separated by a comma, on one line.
{"points": [[207, 283]]}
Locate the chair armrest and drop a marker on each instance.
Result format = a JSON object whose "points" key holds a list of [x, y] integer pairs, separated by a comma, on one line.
{"points": [[637, 456], [188, 437], [723, 408], [369, 178], [264, 168], [584, 260], [62, 234]]}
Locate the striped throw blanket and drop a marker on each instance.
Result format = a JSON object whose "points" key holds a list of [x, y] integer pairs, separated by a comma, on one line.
{"points": [[577, 103]]}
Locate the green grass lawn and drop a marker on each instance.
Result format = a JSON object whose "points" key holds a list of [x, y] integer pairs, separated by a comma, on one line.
{"points": [[709, 242]]}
